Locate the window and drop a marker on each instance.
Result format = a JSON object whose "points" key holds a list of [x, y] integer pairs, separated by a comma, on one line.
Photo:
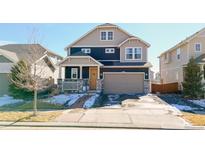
{"points": [[106, 35], [110, 35], [110, 50], [133, 53], [103, 35], [197, 47], [86, 50], [74, 73], [178, 53], [128, 53], [137, 53]]}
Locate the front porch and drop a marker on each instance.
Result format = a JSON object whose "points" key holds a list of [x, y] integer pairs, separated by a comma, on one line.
{"points": [[80, 74]]}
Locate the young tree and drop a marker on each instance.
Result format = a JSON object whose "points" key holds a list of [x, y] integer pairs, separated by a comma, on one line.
{"points": [[192, 85]]}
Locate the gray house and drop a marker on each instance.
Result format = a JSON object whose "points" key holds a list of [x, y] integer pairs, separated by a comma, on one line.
{"points": [[107, 59], [12, 53]]}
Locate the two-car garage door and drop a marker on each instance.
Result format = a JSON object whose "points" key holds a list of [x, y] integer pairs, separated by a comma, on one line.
{"points": [[123, 83]]}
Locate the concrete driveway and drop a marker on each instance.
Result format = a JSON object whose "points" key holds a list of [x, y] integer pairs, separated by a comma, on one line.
{"points": [[147, 112]]}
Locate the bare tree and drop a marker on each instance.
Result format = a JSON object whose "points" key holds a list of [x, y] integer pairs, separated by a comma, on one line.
{"points": [[30, 73]]}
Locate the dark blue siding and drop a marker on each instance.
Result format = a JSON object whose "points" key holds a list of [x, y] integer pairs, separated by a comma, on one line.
{"points": [[145, 70], [98, 53], [68, 72], [85, 74]]}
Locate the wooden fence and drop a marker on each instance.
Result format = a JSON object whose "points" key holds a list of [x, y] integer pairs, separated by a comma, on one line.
{"points": [[165, 88]]}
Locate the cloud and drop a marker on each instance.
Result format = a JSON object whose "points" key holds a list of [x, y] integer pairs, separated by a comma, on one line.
{"points": [[2, 42]]}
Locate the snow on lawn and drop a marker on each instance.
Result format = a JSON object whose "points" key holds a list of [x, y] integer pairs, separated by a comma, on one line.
{"points": [[200, 102], [62, 99], [90, 102], [182, 107], [8, 100]]}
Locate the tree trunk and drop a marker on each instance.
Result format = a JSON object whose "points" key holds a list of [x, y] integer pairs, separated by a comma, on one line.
{"points": [[35, 103]]}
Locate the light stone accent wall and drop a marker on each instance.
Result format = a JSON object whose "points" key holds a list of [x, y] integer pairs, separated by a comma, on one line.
{"points": [[147, 86]]}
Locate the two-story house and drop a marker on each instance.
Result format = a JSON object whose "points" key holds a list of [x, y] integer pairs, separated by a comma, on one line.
{"points": [[45, 60], [106, 58], [173, 61]]}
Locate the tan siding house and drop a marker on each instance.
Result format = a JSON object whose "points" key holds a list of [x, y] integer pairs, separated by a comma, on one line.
{"points": [[12, 53], [175, 59]]}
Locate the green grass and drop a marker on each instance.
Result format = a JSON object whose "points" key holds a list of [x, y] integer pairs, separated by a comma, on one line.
{"points": [[29, 106]]}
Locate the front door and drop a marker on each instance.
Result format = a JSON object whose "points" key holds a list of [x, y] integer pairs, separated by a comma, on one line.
{"points": [[93, 77]]}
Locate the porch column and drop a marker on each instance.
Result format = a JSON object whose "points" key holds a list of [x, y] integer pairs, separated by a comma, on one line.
{"points": [[98, 72], [81, 72]]}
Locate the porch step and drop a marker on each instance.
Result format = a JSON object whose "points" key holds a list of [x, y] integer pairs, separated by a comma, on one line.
{"points": [[80, 102]]}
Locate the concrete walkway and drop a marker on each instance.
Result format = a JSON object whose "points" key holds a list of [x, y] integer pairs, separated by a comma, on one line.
{"points": [[147, 112]]}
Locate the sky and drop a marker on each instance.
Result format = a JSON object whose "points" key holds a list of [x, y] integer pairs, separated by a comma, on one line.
{"points": [[57, 36]]}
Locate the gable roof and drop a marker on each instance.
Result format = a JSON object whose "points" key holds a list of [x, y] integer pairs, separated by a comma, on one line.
{"points": [[200, 59], [133, 38], [87, 57], [28, 52], [184, 41], [101, 26]]}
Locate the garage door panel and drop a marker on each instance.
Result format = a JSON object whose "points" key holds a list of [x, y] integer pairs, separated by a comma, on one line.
{"points": [[123, 83]]}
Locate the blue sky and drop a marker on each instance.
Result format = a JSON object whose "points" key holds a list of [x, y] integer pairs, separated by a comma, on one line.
{"points": [[57, 36]]}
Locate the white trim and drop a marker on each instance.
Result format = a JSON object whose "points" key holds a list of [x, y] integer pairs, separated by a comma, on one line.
{"points": [[127, 66], [87, 46], [86, 50], [124, 73], [72, 72], [79, 65], [108, 60], [195, 47], [106, 35], [110, 50], [133, 54]]}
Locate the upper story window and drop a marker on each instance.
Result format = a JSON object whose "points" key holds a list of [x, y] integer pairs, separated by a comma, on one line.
{"points": [[133, 53], [110, 50], [110, 35], [106, 35], [86, 50], [103, 35], [197, 47], [178, 53]]}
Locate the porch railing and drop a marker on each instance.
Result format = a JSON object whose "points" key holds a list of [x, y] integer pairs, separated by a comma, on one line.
{"points": [[79, 85]]}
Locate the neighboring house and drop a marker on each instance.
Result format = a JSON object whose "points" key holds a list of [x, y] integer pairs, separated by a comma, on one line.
{"points": [[10, 54], [106, 58], [173, 61]]}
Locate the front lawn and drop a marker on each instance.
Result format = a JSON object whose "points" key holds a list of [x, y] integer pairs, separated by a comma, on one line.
{"points": [[22, 106], [28, 116], [195, 119]]}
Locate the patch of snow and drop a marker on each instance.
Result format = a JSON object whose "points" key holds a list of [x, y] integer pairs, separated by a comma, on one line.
{"points": [[117, 106], [8, 100], [113, 98], [90, 102], [200, 102], [182, 107], [62, 99]]}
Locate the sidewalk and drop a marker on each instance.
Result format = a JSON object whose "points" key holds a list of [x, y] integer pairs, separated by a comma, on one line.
{"points": [[148, 113]]}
